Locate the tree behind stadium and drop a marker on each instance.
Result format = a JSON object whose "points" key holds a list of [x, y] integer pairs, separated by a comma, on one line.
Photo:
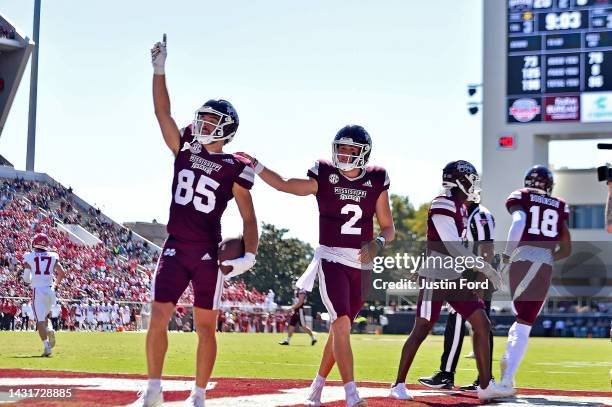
{"points": [[280, 262]]}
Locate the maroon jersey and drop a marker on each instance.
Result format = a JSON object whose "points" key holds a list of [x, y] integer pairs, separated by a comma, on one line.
{"points": [[347, 206], [545, 216], [201, 189], [447, 206]]}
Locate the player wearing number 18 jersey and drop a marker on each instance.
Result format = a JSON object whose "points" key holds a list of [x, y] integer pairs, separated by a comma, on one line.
{"points": [[349, 193], [538, 236], [42, 269], [205, 180]]}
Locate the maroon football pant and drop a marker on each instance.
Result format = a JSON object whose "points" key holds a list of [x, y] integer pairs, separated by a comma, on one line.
{"points": [[535, 284], [181, 263], [343, 289], [463, 300]]}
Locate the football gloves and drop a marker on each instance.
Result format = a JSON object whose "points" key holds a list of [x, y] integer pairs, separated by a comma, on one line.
{"points": [[240, 265], [493, 275], [158, 57]]}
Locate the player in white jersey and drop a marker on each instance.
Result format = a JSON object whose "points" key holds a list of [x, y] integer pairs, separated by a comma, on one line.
{"points": [[44, 271]]}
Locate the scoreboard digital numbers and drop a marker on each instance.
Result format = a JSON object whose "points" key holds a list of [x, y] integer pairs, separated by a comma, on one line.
{"points": [[559, 64]]}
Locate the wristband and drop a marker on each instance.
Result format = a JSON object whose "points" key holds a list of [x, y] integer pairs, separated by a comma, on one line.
{"points": [[257, 166]]}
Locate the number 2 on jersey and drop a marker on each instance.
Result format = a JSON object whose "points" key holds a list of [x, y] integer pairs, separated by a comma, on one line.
{"points": [[47, 260], [185, 192], [349, 226], [548, 225]]}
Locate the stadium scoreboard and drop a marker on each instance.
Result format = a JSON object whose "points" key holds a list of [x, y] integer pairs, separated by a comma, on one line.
{"points": [[559, 61]]}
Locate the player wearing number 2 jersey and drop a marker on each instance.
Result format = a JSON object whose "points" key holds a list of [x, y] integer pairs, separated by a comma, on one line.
{"points": [[205, 180], [349, 193], [538, 236], [42, 269]]}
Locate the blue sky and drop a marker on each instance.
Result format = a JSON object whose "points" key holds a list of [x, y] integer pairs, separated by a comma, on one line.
{"points": [[296, 73]]}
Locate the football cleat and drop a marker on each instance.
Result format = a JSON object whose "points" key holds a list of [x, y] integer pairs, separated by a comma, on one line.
{"points": [[356, 401], [46, 353], [285, 342], [470, 387], [399, 392], [494, 391], [313, 341], [194, 400], [314, 398], [439, 380], [148, 398], [470, 355], [51, 335]]}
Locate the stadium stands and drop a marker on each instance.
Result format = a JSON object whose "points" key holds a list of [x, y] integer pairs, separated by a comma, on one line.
{"points": [[117, 269]]}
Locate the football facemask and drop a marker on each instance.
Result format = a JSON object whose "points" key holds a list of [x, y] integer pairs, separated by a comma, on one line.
{"points": [[347, 162], [218, 132], [469, 184]]}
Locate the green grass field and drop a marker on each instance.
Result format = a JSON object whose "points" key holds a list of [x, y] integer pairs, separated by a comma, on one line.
{"points": [[552, 363]]}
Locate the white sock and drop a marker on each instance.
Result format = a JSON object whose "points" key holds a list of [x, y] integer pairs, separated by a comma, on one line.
{"points": [[350, 389], [288, 339], [200, 391], [46, 343], [154, 385], [319, 381], [518, 337]]}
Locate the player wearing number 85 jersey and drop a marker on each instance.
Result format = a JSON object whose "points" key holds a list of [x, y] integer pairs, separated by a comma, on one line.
{"points": [[205, 180], [42, 269], [537, 237], [349, 193]]}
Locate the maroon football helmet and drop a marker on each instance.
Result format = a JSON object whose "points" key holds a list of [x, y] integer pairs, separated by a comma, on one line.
{"points": [[539, 177]]}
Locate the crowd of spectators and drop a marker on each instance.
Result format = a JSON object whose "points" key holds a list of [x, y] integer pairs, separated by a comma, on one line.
{"points": [[7, 32], [118, 269]]}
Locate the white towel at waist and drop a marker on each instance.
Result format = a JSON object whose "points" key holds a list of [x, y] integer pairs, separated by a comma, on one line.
{"points": [[343, 255]]}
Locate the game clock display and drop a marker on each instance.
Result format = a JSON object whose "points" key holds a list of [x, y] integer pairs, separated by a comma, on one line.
{"points": [[559, 61]]}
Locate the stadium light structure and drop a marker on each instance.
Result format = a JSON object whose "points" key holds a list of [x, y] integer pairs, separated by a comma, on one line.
{"points": [[473, 106], [473, 88], [33, 91]]}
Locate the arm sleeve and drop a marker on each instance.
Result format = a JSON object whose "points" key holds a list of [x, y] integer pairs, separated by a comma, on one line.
{"points": [[519, 219], [246, 177], [386, 182], [313, 172], [447, 230]]}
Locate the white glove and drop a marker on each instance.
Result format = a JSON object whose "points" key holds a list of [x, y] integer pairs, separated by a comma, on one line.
{"points": [[240, 265], [158, 57], [492, 274]]}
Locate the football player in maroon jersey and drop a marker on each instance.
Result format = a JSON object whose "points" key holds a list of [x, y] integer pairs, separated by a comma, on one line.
{"points": [[349, 193], [537, 237], [205, 180], [439, 282]]}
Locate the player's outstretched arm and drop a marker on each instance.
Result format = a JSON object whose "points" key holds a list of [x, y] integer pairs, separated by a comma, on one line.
{"points": [[295, 186], [161, 99], [565, 243]]}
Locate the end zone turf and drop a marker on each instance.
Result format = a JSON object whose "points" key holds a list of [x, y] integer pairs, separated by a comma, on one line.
{"points": [[120, 389]]}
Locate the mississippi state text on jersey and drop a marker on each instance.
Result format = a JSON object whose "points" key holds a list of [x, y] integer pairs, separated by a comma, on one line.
{"points": [[545, 216], [347, 206], [42, 265], [201, 188]]}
